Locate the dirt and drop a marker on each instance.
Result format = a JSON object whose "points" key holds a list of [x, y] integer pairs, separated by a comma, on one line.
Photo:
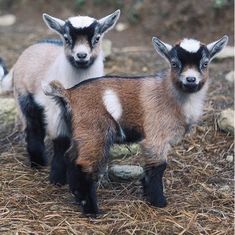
{"points": [[199, 180]]}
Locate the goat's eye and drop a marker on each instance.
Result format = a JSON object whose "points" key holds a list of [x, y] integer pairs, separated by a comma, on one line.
{"points": [[97, 39], [204, 65], [174, 65], [66, 39]]}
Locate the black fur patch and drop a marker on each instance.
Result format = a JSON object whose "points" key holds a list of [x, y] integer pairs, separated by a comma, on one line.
{"points": [[35, 129], [87, 32], [153, 185], [58, 164], [2, 63], [113, 77], [56, 42], [132, 135], [189, 58]]}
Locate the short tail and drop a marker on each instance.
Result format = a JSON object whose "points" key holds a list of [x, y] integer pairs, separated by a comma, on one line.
{"points": [[5, 78]]}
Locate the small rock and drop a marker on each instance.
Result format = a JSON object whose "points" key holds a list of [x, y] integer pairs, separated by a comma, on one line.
{"points": [[125, 172], [227, 52], [225, 188], [121, 27], [7, 20], [7, 112], [107, 47], [229, 158], [230, 77], [226, 121], [119, 151]]}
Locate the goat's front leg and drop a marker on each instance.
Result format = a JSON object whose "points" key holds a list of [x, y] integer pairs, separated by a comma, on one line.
{"points": [[153, 179]]}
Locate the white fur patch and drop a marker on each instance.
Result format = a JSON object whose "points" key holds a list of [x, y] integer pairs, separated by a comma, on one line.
{"points": [[112, 104], [81, 21], [190, 45], [191, 73], [193, 107]]}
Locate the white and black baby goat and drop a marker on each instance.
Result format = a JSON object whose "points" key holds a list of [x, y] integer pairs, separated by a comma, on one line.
{"points": [[156, 110], [77, 57]]}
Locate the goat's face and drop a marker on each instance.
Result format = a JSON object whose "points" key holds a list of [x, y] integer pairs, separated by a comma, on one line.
{"points": [[189, 60], [82, 36]]}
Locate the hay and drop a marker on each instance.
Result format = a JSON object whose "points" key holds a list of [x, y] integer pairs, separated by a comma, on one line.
{"points": [[199, 188]]}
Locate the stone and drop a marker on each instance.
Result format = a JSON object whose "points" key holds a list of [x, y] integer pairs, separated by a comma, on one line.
{"points": [[227, 52], [226, 121], [107, 47], [229, 158], [120, 151], [7, 20], [7, 112], [121, 27], [125, 172], [230, 77]]}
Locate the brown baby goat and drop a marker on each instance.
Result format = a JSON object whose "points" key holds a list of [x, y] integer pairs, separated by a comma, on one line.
{"points": [[156, 110]]}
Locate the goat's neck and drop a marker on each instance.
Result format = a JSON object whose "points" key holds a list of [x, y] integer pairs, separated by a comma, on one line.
{"points": [[70, 76], [191, 104]]}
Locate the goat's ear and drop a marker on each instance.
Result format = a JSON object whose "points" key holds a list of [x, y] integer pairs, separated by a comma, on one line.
{"points": [[53, 88], [217, 46], [109, 21], [53, 23], [162, 48]]}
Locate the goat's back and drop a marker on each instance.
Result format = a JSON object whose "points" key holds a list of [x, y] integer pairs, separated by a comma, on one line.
{"points": [[32, 66]]}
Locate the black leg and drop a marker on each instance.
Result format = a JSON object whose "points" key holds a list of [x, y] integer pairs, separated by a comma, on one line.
{"points": [[35, 130], [153, 185], [84, 189], [58, 164]]}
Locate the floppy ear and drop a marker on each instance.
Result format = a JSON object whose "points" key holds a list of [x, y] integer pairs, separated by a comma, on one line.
{"points": [[109, 21], [217, 46], [162, 48], [53, 23], [53, 88]]}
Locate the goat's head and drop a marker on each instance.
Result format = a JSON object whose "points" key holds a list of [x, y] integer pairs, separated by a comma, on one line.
{"points": [[189, 60], [82, 36]]}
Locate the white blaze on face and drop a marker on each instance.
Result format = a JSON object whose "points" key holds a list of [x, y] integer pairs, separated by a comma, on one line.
{"points": [[191, 72], [190, 45], [83, 49], [112, 104], [81, 21]]}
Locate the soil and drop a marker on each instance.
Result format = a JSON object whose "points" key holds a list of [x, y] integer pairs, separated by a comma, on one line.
{"points": [[199, 180]]}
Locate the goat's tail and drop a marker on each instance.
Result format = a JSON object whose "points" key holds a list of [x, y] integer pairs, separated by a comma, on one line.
{"points": [[6, 83]]}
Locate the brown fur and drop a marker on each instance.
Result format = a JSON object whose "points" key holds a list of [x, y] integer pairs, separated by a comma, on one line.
{"points": [[149, 106]]}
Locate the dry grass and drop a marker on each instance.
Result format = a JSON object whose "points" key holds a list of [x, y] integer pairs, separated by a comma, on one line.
{"points": [[199, 183]]}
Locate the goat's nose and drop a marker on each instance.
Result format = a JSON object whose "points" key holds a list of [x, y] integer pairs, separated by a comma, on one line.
{"points": [[81, 55], [190, 79]]}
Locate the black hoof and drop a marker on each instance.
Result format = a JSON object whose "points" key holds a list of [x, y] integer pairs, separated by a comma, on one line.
{"points": [[57, 179]]}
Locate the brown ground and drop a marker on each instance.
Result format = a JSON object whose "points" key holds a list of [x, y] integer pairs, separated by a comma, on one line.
{"points": [[199, 180]]}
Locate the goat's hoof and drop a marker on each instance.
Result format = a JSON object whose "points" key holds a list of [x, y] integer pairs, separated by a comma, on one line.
{"points": [[159, 202], [39, 164], [57, 180]]}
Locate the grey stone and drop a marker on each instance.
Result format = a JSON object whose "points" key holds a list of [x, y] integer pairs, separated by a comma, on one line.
{"points": [[107, 47], [120, 151], [229, 158], [230, 77], [226, 121], [125, 172], [7, 20], [7, 112], [227, 52]]}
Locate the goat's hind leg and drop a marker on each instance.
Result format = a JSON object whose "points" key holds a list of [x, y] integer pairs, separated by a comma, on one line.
{"points": [[35, 129], [58, 164]]}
